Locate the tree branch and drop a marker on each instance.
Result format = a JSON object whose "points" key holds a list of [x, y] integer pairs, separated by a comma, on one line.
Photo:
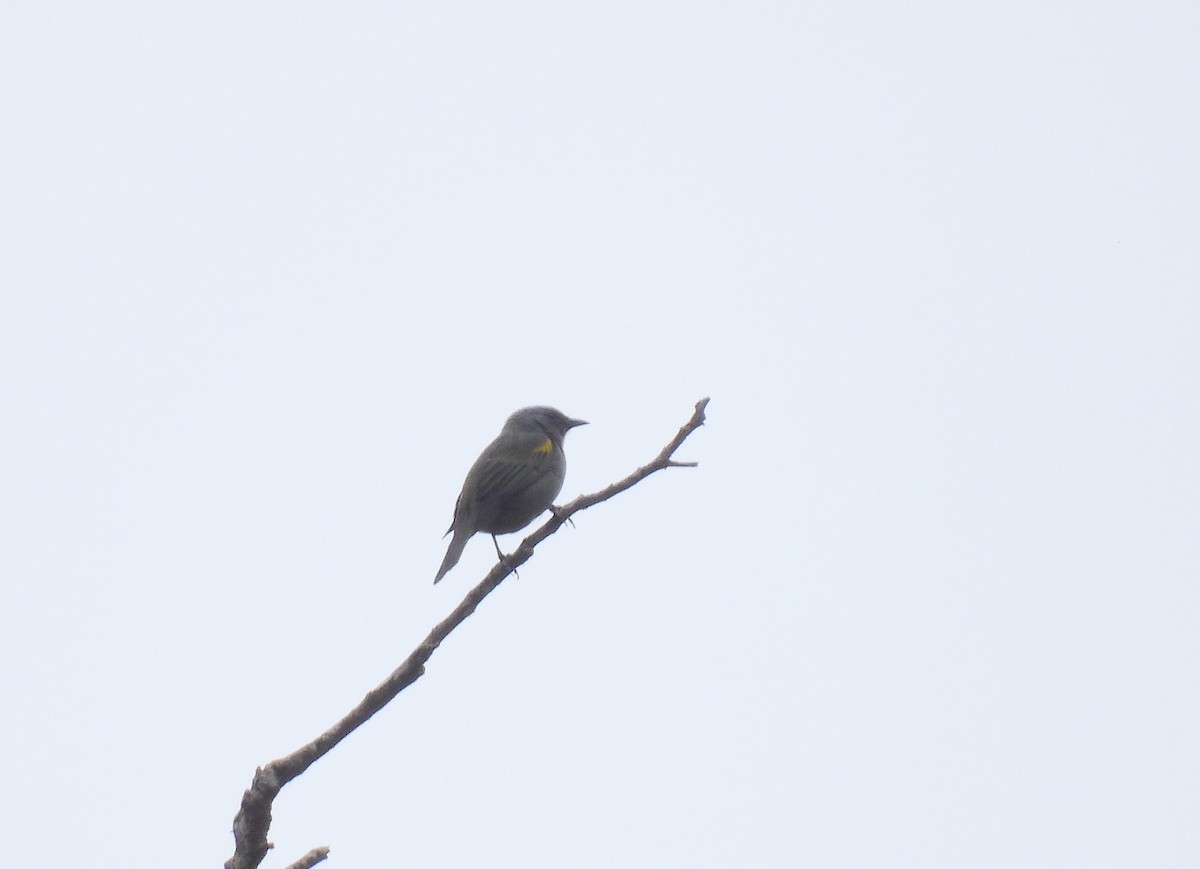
{"points": [[311, 859], [253, 819]]}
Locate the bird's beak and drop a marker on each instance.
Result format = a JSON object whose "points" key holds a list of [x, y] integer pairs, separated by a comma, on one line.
{"points": [[571, 423]]}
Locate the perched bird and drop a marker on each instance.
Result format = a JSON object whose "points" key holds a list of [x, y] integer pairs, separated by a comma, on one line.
{"points": [[515, 479]]}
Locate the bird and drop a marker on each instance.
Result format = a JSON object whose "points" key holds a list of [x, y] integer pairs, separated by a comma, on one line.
{"points": [[514, 480]]}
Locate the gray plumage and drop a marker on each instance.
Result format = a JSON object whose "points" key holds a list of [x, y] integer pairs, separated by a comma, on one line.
{"points": [[514, 480]]}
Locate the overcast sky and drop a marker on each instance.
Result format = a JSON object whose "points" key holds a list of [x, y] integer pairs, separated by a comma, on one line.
{"points": [[273, 275]]}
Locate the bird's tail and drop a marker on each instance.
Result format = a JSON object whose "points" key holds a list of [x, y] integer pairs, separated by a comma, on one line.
{"points": [[457, 544]]}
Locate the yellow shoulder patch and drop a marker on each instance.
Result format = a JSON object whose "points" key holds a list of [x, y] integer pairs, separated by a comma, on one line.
{"points": [[544, 448]]}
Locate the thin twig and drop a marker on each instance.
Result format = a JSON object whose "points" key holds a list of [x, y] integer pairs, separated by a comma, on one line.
{"points": [[253, 819], [311, 859]]}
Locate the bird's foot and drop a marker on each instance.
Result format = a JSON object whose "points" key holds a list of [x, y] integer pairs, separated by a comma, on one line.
{"points": [[504, 559]]}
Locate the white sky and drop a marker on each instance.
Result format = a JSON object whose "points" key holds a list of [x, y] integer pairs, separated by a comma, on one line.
{"points": [[275, 273]]}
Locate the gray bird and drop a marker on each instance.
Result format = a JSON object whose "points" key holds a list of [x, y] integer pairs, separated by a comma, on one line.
{"points": [[514, 480]]}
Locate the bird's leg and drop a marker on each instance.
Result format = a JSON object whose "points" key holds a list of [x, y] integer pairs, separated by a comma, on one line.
{"points": [[502, 556], [559, 513]]}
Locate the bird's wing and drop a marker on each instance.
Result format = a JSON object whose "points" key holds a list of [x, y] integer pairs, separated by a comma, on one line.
{"points": [[503, 478]]}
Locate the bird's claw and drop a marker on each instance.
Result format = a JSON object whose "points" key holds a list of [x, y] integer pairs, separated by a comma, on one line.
{"points": [[560, 513], [504, 558]]}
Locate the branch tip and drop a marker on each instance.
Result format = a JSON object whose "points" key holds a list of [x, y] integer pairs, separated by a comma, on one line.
{"points": [[312, 858]]}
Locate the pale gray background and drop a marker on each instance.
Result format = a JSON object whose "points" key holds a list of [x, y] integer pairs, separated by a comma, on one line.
{"points": [[274, 273]]}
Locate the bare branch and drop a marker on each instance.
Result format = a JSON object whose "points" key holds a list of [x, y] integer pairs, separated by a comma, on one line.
{"points": [[253, 819], [312, 858]]}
